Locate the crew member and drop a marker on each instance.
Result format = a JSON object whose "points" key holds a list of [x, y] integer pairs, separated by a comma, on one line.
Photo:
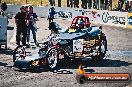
{"points": [[3, 8], [20, 20], [31, 23], [51, 14]]}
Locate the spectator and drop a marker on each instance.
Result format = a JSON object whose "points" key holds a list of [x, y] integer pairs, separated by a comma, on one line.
{"points": [[26, 9], [51, 14], [31, 22], [106, 4], [94, 3], [97, 3], [126, 5], [120, 4], [59, 3], [20, 20], [52, 2], [102, 4], [68, 5], [3, 8], [71, 3], [76, 3], [130, 6], [110, 4], [84, 4], [89, 4]]}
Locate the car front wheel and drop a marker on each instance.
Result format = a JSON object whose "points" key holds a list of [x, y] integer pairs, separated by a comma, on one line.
{"points": [[52, 59]]}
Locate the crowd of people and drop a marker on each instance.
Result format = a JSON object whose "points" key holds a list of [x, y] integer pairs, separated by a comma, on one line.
{"points": [[25, 21], [96, 4]]}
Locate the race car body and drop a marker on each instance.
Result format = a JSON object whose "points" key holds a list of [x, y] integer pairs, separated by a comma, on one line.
{"points": [[79, 40], [24, 58]]}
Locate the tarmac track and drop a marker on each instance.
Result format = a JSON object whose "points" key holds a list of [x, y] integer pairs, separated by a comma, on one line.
{"points": [[118, 60]]}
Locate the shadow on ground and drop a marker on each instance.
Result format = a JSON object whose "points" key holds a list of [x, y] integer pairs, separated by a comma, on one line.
{"points": [[3, 64], [6, 51], [64, 66]]}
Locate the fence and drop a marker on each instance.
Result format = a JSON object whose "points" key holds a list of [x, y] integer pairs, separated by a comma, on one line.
{"points": [[112, 18]]}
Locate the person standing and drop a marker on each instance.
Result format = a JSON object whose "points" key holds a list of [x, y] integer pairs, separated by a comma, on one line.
{"points": [[3, 8], [126, 5], [52, 2], [71, 3], [20, 20], [59, 3], [68, 5], [110, 4], [51, 14], [89, 4], [76, 2], [83, 3], [97, 1], [122, 2], [31, 23], [106, 4]]}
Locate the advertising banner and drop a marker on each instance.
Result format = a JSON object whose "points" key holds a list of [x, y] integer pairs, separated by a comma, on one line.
{"points": [[129, 20]]}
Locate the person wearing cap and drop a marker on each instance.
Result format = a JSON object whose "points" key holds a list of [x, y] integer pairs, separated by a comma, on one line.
{"points": [[31, 23], [81, 23], [20, 20]]}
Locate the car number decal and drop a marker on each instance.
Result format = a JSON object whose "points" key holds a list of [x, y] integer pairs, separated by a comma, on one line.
{"points": [[78, 45]]}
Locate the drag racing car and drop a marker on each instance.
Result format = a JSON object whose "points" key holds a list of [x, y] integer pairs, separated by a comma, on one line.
{"points": [[80, 40]]}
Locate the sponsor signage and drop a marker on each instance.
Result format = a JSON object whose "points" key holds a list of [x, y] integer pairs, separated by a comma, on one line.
{"points": [[129, 20]]}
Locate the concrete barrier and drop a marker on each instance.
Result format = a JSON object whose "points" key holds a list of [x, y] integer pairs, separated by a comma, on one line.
{"points": [[112, 18]]}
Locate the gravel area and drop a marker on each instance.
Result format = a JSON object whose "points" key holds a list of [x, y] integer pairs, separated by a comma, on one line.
{"points": [[118, 60]]}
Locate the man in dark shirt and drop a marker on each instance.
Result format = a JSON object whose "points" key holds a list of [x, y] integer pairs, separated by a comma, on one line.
{"points": [[76, 3], [20, 20], [102, 4], [68, 3], [31, 23], [3, 6], [59, 3], [106, 4], [89, 4]]}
